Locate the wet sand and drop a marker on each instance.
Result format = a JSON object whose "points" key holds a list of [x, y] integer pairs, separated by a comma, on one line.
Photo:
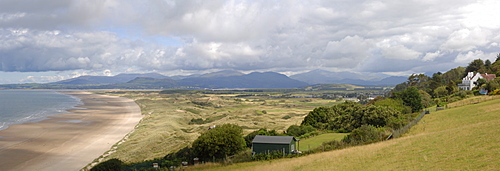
{"points": [[69, 141]]}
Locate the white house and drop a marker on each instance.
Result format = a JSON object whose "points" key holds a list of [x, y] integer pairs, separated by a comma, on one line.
{"points": [[468, 82]]}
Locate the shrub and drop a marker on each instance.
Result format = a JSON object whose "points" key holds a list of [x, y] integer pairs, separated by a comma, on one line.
{"points": [[175, 159], [109, 165], [196, 121], [365, 134], [495, 92], [296, 131], [243, 156], [222, 141], [272, 155]]}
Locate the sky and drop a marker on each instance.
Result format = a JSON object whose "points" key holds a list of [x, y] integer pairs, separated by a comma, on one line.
{"points": [[51, 40]]}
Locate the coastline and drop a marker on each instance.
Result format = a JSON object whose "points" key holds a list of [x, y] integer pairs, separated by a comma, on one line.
{"points": [[71, 140]]}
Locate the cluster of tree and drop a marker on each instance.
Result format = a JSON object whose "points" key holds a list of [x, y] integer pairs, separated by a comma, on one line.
{"points": [[348, 116], [445, 84], [441, 88]]}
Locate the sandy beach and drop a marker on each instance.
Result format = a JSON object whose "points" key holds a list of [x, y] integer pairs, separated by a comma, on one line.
{"points": [[69, 141]]}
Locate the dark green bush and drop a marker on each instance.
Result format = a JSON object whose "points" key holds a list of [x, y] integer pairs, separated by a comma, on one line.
{"points": [[109, 165], [297, 131], [365, 134], [263, 131]]}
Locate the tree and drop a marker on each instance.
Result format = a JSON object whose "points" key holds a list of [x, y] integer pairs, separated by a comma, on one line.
{"points": [[498, 57], [319, 117], [440, 92], [454, 75], [222, 141], [411, 97], [351, 115], [396, 104], [452, 87], [262, 131], [426, 99], [487, 64], [420, 81], [480, 82], [436, 81], [400, 87], [475, 66], [492, 85], [364, 135], [295, 130]]}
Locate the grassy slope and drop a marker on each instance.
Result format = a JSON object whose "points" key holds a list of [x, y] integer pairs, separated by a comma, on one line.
{"points": [[314, 142], [462, 138]]}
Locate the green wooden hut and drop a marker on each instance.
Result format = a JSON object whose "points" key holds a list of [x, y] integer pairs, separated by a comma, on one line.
{"points": [[266, 144]]}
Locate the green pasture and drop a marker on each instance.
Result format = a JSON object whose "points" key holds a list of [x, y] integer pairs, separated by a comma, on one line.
{"points": [[316, 141]]}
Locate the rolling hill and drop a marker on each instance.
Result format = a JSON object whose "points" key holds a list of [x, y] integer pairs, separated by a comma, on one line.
{"points": [[461, 138]]}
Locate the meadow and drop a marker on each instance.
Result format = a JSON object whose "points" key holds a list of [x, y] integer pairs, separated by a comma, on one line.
{"points": [[173, 120], [459, 138], [316, 141]]}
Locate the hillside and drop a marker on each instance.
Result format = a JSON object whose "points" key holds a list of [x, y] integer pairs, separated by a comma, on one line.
{"points": [[461, 138]]}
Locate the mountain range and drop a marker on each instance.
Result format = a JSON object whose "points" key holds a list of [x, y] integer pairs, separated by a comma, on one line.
{"points": [[226, 79], [327, 77]]}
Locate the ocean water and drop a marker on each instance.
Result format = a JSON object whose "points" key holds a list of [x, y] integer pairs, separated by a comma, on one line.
{"points": [[21, 106]]}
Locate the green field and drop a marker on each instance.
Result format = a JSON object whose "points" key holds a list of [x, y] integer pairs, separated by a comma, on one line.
{"points": [[460, 138], [314, 142]]}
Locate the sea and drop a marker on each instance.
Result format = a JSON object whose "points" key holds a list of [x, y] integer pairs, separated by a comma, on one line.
{"points": [[21, 106]]}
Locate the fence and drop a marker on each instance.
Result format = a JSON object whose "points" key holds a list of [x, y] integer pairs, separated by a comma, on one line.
{"points": [[397, 133], [477, 99]]}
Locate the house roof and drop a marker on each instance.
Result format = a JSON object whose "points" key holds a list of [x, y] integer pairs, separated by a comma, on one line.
{"points": [[273, 139], [488, 77]]}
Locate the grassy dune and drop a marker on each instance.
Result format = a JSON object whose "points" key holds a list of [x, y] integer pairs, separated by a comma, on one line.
{"points": [[461, 138], [166, 126]]}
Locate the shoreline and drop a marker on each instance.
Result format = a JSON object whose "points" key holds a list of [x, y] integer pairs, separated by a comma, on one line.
{"points": [[72, 140]]}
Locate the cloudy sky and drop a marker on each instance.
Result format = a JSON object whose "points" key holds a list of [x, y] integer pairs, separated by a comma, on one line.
{"points": [[50, 40]]}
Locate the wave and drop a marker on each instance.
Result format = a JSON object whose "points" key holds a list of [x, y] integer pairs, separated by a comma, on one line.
{"points": [[33, 106]]}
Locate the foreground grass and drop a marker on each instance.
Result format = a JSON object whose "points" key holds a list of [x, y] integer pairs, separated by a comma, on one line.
{"points": [[461, 138]]}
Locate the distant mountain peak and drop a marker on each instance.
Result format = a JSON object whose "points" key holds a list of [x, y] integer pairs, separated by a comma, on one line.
{"points": [[223, 73]]}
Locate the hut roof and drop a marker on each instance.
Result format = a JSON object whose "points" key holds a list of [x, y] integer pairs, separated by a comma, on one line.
{"points": [[273, 139]]}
